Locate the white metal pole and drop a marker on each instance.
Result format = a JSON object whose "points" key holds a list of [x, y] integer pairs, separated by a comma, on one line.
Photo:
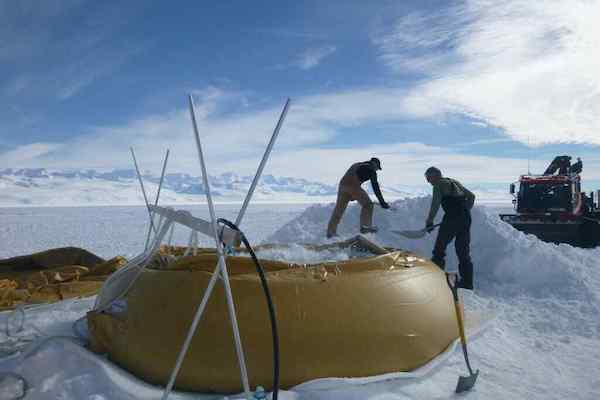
{"points": [[162, 177], [262, 164], [191, 331], [195, 244], [137, 170], [171, 236], [222, 267], [224, 274], [188, 250]]}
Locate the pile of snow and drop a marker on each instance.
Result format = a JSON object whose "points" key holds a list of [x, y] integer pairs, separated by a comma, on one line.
{"points": [[507, 262], [298, 254], [555, 289]]}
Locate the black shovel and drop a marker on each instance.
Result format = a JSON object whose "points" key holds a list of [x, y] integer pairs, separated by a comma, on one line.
{"points": [[464, 382]]}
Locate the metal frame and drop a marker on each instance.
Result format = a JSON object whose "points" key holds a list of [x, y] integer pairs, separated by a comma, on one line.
{"points": [[221, 268], [139, 176], [162, 177], [262, 164]]}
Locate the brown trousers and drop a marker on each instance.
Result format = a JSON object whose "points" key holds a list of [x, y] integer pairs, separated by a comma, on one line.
{"points": [[347, 192]]}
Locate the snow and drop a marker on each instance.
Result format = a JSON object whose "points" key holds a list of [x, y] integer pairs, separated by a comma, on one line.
{"points": [[295, 253], [111, 230], [543, 342], [41, 187]]}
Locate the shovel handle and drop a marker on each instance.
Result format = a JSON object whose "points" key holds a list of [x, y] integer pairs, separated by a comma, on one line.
{"points": [[452, 287], [459, 320], [432, 227]]}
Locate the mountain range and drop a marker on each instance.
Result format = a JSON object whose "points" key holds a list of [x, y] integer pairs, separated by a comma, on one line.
{"points": [[52, 187]]}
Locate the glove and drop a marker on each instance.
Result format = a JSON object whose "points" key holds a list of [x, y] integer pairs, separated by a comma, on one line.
{"points": [[429, 226], [385, 206]]}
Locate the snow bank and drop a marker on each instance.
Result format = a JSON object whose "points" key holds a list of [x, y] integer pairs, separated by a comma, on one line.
{"points": [[508, 263], [505, 259]]}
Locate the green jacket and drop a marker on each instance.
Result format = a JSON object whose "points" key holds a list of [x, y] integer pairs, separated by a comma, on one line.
{"points": [[448, 187]]}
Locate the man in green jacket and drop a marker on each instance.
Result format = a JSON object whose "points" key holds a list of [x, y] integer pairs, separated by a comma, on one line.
{"points": [[457, 202]]}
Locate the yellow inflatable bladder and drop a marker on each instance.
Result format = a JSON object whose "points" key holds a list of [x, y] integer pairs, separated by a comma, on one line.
{"points": [[359, 317], [53, 275]]}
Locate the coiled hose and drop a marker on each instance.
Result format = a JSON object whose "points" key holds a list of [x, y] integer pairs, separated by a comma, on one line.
{"points": [[265, 286]]}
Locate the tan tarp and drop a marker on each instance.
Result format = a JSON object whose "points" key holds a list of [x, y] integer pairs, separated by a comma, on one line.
{"points": [[53, 275], [362, 317]]}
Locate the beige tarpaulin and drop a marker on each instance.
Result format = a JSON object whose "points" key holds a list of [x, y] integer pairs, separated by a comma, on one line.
{"points": [[361, 317], [53, 275]]}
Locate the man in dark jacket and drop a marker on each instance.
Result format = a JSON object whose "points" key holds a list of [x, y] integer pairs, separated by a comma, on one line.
{"points": [[457, 202], [349, 189]]}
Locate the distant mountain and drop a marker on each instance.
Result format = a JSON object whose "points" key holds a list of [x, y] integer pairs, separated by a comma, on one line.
{"points": [[40, 186], [53, 187]]}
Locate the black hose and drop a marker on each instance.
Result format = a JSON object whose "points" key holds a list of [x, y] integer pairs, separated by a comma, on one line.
{"points": [[265, 286]]}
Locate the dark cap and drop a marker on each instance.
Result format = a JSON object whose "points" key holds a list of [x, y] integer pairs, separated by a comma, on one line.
{"points": [[376, 161], [433, 171]]}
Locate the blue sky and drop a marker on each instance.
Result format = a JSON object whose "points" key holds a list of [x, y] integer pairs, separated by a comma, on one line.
{"points": [[474, 87]]}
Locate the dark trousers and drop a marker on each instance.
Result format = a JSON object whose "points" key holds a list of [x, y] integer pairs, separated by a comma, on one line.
{"points": [[459, 229]]}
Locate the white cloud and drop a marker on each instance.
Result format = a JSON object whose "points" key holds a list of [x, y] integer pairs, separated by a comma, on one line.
{"points": [[71, 61], [235, 142], [312, 121], [89, 68], [314, 56], [528, 67], [24, 156], [403, 164]]}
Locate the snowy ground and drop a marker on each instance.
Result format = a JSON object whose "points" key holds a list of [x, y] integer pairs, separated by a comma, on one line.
{"points": [[544, 342], [111, 230]]}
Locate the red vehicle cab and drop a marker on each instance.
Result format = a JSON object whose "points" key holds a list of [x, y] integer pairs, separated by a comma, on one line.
{"points": [[554, 208]]}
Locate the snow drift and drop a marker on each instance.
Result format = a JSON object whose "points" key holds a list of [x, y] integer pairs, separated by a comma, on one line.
{"points": [[507, 262]]}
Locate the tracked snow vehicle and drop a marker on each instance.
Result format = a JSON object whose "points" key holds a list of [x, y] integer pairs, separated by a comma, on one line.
{"points": [[553, 207]]}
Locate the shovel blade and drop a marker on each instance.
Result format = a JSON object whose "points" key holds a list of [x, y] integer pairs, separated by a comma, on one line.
{"points": [[466, 383], [411, 234]]}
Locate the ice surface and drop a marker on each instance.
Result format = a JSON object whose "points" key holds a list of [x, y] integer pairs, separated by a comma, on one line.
{"points": [[543, 344], [109, 231]]}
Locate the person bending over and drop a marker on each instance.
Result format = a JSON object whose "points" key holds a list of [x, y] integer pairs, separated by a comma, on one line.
{"points": [[350, 189]]}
